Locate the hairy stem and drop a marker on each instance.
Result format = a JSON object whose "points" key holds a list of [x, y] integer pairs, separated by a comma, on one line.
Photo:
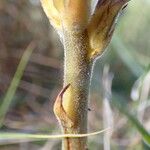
{"points": [[77, 74]]}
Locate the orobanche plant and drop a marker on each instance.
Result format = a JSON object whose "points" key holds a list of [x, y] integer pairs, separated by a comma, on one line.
{"points": [[85, 28]]}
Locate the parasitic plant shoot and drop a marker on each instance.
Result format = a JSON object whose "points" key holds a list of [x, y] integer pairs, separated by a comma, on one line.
{"points": [[85, 28]]}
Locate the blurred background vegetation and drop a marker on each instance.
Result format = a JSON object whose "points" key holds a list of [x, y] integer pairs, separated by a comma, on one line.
{"points": [[23, 26]]}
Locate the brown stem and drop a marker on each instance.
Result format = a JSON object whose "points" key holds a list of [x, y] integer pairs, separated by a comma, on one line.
{"points": [[77, 73], [75, 98]]}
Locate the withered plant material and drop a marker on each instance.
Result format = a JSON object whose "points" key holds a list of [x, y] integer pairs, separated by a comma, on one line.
{"points": [[84, 36]]}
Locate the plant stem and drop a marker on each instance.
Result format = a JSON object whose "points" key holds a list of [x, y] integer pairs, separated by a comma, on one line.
{"points": [[77, 74]]}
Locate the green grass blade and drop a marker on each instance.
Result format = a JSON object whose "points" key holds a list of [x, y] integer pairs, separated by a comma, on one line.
{"points": [[127, 56], [15, 82], [120, 104]]}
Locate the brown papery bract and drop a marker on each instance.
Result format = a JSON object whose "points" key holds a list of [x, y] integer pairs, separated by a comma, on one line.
{"points": [[102, 25]]}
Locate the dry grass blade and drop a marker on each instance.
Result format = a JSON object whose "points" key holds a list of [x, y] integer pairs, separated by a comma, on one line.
{"points": [[107, 111], [5, 135]]}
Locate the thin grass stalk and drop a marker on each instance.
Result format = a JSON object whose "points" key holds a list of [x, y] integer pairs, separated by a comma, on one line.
{"points": [[107, 111], [143, 97]]}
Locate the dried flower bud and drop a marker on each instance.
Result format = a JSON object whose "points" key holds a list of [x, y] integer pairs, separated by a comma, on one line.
{"points": [[76, 14], [73, 15], [102, 25], [52, 13]]}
